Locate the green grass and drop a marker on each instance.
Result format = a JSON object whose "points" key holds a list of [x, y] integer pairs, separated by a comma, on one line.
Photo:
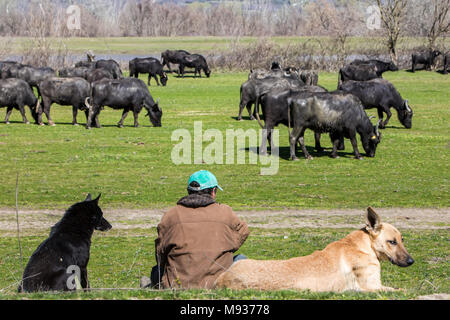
{"points": [[112, 266], [132, 167], [146, 45]]}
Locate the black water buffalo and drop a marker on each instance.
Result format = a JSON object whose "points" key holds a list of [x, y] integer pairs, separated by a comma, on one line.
{"points": [[252, 89], [309, 77], [172, 56], [16, 94], [196, 61], [63, 91], [110, 65], [380, 66], [85, 64], [362, 72], [127, 94], [34, 75], [340, 114], [446, 62], [275, 111], [6, 66], [80, 72], [425, 58], [380, 94], [149, 65], [98, 74], [259, 74]]}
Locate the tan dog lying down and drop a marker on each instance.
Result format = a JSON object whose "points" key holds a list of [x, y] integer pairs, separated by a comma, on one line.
{"points": [[351, 263]]}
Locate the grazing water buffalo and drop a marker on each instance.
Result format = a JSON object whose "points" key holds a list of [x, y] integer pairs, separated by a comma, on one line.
{"points": [[98, 74], [275, 111], [173, 56], [85, 64], [425, 58], [110, 65], [150, 65], [380, 94], [16, 93], [63, 91], [127, 94], [252, 89], [380, 66], [196, 61], [340, 114], [363, 72], [80, 72]]}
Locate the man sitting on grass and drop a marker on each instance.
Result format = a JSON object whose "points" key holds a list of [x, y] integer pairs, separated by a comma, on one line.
{"points": [[197, 238]]}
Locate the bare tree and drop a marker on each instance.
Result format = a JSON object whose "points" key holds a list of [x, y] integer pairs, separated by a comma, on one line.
{"points": [[440, 21], [393, 17]]}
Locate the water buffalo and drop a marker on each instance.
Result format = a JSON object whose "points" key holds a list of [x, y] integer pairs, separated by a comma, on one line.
{"points": [[35, 75], [309, 77], [85, 64], [98, 74], [362, 72], [340, 114], [127, 94], [425, 58], [196, 61], [16, 93], [80, 72], [6, 66], [259, 74], [380, 66], [380, 94], [275, 111], [110, 65], [172, 56], [150, 65], [63, 91], [252, 89]]}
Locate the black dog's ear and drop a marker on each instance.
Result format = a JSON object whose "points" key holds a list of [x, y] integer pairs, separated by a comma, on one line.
{"points": [[96, 199], [88, 198]]}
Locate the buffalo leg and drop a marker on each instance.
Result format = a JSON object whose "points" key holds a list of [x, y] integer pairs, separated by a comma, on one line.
{"points": [[148, 79], [47, 103], [124, 115], [355, 146], [241, 108], [266, 137], [388, 116], [24, 117], [335, 139], [8, 114], [74, 115], [156, 79], [318, 147], [136, 115], [249, 109], [413, 68]]}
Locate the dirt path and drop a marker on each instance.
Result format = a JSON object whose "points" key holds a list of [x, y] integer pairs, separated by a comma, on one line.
{"points": [[36, 221]]}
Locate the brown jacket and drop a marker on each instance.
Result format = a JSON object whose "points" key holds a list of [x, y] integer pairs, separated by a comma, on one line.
{"points": [[196, 241]]}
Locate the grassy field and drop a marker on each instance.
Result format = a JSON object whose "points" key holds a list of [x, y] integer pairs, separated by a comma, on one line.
{"points": [[132, 168], [146, 45]]}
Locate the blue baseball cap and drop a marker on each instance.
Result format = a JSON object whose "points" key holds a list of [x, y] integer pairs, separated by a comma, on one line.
{"points": [[205, 179]]}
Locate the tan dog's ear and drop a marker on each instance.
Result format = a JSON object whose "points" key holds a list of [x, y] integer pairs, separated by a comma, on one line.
{"points": [[373, 221]]}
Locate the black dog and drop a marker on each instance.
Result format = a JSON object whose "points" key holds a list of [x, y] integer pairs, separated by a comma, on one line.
{"points": [[64, 256]]}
